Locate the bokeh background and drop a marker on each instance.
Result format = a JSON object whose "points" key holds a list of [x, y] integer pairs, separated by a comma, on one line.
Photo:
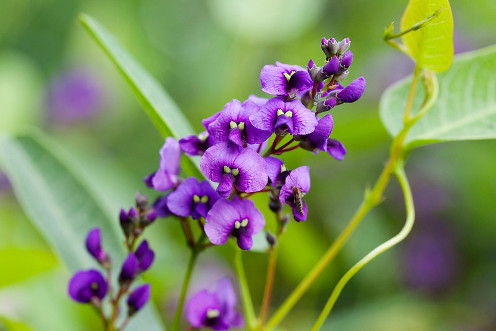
{"points": [[205, 53]]}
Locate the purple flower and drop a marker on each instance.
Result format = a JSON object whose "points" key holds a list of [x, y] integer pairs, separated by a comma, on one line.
{"points": [[138, 298], [297, 184], [330, 68], [237, 218], [336, 149], [318, 138], [196, 145], [281, 117], [86, 285], [129, 269], [166, 176], [145, 256], [347, 59], [232, 166], [216, 310], [233, 125], [160, 206], [74, 95], [128, 219], [192, 198], [353, 91], [284, 79], [94, 245], [209, 120]]}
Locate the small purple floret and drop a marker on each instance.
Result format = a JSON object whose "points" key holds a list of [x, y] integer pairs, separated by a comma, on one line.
{"points": [[166, 176], [281, 117], [138, 298], [318, 138], [145, 256], [331, 67], [237, 218], [233, 125], [86, 285], [284, 79], [192, 198], [353, 91], [129, 269], [216, 310], [231, 166], [196, 145], [94, 245], [347, 59], [296, 186]]}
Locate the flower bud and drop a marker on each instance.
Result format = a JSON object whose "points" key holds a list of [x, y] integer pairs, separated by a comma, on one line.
{"points": [[137, 299], [129, 270], [347, 59], [94, 247], [275, 205], [141, 201], [313, 70], [125, 222], [343, 46], [341, 76], [87, 285], [329, 47], [325, 105], [271, 239], [145, 256], [305, 99], [353, 91]]}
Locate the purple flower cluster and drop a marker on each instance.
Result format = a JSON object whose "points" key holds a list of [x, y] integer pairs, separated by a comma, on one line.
{"points": [[91, 286], [240, 146]]}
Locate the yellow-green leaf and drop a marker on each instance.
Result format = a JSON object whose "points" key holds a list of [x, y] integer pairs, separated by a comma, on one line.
{"points": [[431, 46]]}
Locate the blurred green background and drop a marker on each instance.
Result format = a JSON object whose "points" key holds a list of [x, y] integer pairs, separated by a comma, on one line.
{"points": [[205, 53]]}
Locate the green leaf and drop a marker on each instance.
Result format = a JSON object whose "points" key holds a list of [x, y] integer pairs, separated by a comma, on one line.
{"points": [[465, 109], [431, 46], [12, 325], [159, 106], [28, 262], [62, 208]]}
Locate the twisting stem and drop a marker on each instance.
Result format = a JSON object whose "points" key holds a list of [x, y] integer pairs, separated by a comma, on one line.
{"points": [[372, 198], [196, 249], [410, 217], [245, 292]]}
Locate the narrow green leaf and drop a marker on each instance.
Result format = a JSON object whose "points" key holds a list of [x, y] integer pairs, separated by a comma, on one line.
{"points": [[431, 46], [465, 109], [62, 208], [159, 106]]}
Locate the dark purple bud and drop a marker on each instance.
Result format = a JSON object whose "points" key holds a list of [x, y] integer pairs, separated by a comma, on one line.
{"points": [[138, 298], [336, 149], [271, 239], [125, 222], [353, 91], [86, 285], [141, 201], [331, 67], [145, 256], [151, 216], [323, 42], [347, 59], [275, 205], [343, 46], [128, 270], [330, 47], [132, 214], [160, 206], [94, 246], [326, 105]]}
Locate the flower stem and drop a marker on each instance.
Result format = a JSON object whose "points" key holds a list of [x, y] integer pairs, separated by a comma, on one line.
{"points": [[371, 199], [195, 250], [269, 282], [410, 211], [245, 292]]}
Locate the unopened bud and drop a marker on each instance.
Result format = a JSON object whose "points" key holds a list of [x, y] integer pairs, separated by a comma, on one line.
{"points": [[343, 46], [271, 239], [141, 201], [312, 69], [285, 220], [326, 105], [331, 67], [305, 99], [347, 59], [275, 205], [341, 76]]}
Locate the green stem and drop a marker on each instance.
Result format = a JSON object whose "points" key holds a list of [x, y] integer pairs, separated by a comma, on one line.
{"points": [[245, 292], [176, 324], [269, 283], [372, 198], [410, 211], [414, 27]]}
